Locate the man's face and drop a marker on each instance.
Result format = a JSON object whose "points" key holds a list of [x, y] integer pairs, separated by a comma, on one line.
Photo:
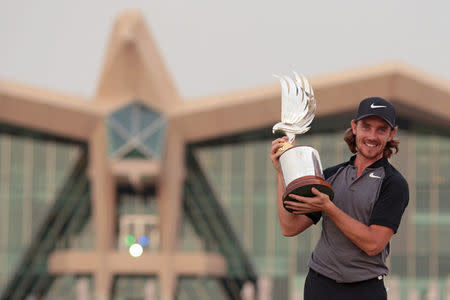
{"points": [[372, 134]]}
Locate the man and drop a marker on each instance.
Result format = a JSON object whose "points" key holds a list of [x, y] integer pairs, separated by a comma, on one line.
{"points": [[349, 260]]}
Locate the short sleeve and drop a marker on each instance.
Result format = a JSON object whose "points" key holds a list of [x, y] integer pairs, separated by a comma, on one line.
{"points": [[391, 204], [315, 216]]}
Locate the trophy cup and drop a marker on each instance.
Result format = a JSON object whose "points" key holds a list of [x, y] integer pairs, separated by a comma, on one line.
{"points": [[300, 165]]}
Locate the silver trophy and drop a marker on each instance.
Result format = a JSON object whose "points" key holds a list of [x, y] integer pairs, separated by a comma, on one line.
{"points": [[300, 165]]}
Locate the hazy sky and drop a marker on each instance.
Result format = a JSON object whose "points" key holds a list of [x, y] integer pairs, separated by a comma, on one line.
{"points": [[213, 46]]}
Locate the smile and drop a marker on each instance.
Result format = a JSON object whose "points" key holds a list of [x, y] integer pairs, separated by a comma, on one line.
{"points": [[370, 145]]}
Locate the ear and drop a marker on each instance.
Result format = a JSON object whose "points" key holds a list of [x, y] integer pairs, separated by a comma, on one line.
{"points": [[392, 134], [353, 123]]}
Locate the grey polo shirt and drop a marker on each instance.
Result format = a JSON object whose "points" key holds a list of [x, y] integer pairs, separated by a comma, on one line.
{"points": [[379, 196]]}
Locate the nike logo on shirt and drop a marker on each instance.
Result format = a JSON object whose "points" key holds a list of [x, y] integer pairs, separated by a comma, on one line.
{"points": [[373, 175], [376, 106]]}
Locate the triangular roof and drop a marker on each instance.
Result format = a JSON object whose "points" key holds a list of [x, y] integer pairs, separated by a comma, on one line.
{"points": [[134, 68]]}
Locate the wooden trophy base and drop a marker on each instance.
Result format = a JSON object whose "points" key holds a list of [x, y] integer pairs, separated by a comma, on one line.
{"points": [[302, 187]]}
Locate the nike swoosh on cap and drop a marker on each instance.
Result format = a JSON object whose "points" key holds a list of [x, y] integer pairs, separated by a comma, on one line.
{"points": [[374, 176], [376, 106]]}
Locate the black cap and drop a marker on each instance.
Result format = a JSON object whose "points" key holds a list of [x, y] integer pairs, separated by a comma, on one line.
{"points": [[377, 106]]}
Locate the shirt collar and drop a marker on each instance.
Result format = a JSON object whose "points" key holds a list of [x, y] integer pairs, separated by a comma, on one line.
{"points": [[382, 162]]}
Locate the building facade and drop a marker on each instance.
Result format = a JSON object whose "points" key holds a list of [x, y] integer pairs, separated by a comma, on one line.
{"points": [[140, 194]]}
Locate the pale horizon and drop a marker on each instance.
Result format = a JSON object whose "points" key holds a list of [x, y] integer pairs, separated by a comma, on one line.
{"points": [[217, 47]]}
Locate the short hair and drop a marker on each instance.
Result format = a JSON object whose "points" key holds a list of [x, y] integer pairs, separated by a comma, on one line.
{"points": [[389, 149]]}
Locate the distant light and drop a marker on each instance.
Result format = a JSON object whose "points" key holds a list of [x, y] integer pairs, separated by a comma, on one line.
{"points": [[130, 240], [136, 250], [143, 240]]}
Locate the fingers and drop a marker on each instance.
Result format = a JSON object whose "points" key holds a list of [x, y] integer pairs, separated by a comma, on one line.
{"points": [[319, 202], [315, 191], [299, 207], [308, 203], [275, 154], [294, 205], [319, 194], [301, 198], [280, 140], [277, 144]]}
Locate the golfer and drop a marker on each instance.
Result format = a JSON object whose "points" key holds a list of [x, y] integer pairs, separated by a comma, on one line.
{"points": [[349, 260]]}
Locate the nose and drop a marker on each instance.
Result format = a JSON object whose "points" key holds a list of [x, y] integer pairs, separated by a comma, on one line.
{"points": [[372, 135]]}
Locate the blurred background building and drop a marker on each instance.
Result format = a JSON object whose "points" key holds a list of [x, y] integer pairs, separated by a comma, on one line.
{"points": [[139, 194]]}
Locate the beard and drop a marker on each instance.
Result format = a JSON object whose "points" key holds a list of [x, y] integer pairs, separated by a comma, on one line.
{"points": [[370, 149]]}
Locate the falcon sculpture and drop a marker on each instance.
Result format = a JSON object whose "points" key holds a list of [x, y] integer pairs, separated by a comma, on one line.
{"points": [[298, 106]]}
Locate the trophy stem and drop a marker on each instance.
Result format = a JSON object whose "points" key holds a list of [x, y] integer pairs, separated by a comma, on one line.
{"points": [[286, 145], [291, 137]]}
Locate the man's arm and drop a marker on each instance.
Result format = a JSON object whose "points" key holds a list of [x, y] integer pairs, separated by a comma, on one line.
{"points": [[290, 224], [371, 239]]}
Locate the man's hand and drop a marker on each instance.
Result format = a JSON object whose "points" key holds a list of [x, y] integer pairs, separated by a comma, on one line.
{"points": [[275, 154], [320, 202], [371, 239]]}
